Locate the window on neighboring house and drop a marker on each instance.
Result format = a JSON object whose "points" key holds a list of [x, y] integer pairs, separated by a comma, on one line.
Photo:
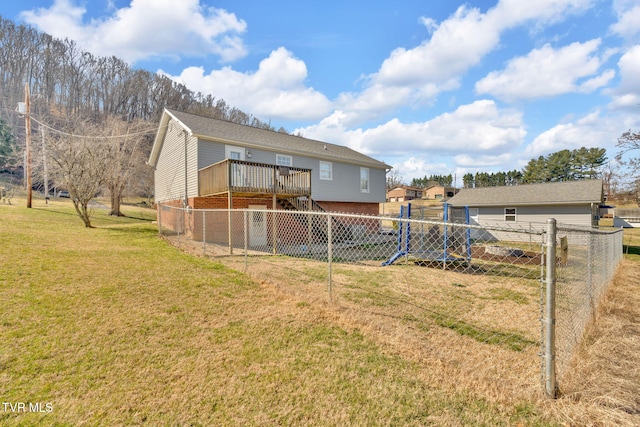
{"points": [[326, 171], [364, 180], [474, 214], [284, 160], [510, 214]]}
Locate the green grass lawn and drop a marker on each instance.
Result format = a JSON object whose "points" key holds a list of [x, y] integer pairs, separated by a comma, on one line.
{"points": [[112, 326]]}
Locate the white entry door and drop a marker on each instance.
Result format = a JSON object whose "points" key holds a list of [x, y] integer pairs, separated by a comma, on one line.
{"points": [[257, 226], [238, 173]]}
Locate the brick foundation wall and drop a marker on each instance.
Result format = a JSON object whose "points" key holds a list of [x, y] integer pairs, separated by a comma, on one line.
{"points": [[351, 207], [215, 225], [223, 202]]}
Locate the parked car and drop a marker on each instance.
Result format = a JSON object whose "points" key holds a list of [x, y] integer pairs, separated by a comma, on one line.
{"points": [[64, 194]]}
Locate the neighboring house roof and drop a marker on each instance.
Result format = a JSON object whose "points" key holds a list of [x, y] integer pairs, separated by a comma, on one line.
{"points": [[406, 188], [223, 131], [440, 186], [552, 193]]}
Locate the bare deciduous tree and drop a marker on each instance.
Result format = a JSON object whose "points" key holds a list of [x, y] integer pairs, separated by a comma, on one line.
{"points": [[126, 156], [79, 165], [394, 179], [630, 142]]}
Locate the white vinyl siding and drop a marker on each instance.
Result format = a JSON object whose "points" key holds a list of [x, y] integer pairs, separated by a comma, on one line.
{"points": [[170, 168], [569, 214], [326, 171]]}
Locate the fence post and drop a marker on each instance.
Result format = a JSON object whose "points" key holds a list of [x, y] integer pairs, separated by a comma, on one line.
{"points": [[159, 219], [550, 312], [246, 238], [590, 271], [204, 233], [180, 224], [329, 252]]}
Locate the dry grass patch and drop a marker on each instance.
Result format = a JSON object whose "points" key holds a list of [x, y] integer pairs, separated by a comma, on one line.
{"points": [[469, 332], [113, 326], [604, 381]]}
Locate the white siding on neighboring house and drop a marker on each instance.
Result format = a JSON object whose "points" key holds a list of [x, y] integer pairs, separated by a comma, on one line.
{"points": [[572, 214]]}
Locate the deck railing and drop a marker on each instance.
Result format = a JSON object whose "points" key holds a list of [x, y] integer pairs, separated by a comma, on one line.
{"points": [[253, 179]]}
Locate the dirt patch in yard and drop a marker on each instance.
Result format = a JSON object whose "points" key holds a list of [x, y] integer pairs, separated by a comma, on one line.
{"points": [[509, 256]]}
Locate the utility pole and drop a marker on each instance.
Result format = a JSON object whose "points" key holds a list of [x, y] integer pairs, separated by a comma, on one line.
{"points": [[44, 167], [27, 119]]}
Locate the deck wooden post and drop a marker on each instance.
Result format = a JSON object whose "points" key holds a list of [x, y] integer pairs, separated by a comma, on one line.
{"points": [[230, 218]]}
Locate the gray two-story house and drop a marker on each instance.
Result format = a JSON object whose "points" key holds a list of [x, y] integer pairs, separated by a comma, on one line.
{"points": [[203, 162]]}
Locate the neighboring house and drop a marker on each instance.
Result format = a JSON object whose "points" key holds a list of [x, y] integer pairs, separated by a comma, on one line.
{"points": [[202, 162], [403, 193], [439, 192], [569, 202], [625, 217]]}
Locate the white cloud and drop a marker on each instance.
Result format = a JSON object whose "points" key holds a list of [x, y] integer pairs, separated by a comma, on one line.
{"points": [[628, 12], [276, 90], [146, 29], [62, 19], [456, 44], [548, 72], [541, 12], [463, 39], [592, 130], [417, 75], [480, 127], [627, 94], [483, 161], [417, 167]]}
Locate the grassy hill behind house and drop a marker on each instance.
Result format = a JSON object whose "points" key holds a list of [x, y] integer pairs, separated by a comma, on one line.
{"points": [[112, 326]]}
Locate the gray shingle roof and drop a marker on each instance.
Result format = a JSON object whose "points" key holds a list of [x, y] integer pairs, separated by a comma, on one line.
{"points": [[551, 193], [227, 132]]}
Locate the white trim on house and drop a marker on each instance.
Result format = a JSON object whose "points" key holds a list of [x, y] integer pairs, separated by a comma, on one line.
{"points": [[510, 214], [364, 180], [284, 160], [325, 170]]}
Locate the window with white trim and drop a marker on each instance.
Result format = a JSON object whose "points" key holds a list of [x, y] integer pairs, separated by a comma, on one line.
{"points": [[364, 180], [474, 214], [510, 214], [326, 171], [284, 160]]}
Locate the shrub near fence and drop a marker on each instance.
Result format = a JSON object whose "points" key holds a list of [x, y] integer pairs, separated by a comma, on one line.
{"points": [[476, 298]]}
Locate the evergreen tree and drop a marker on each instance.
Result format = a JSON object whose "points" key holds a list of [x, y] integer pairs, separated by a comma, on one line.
{"points": [[9, 154]]}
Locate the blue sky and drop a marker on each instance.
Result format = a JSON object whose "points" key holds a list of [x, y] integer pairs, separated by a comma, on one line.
{"points": [[427, 87]]}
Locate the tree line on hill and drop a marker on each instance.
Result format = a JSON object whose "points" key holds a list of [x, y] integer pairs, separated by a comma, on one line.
{"points": [[96, 110], [564, 165], [428, 181]]}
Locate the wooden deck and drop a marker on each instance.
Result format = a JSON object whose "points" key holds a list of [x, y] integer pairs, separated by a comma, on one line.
{"points": [[249, 179]]}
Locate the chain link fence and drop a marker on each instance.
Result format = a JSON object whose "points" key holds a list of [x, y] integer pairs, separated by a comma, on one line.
{"points": [[471, 299]]}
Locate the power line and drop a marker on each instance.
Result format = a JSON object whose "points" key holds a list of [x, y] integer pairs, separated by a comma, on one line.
{"points": [[54, 130]]}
